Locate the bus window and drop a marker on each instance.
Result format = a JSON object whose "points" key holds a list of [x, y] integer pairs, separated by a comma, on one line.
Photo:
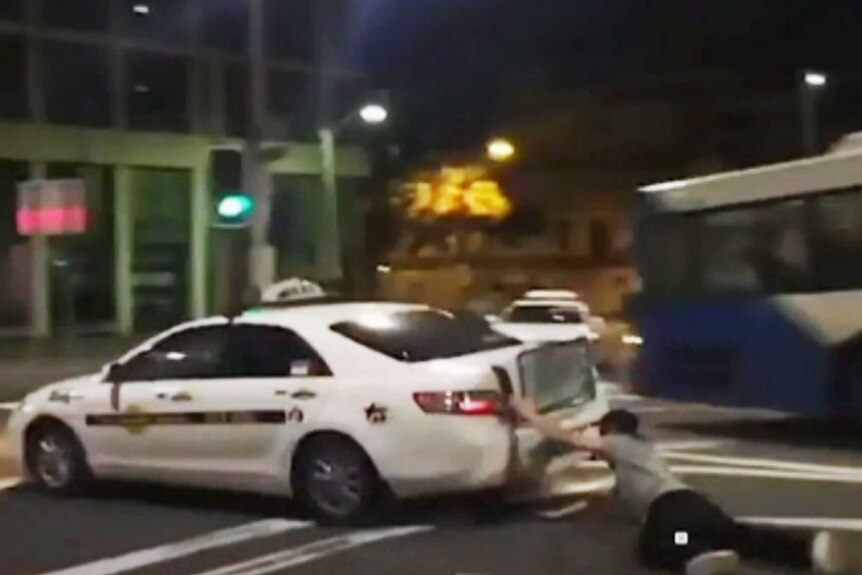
{"points": [[665, 254], [760, 249], [727, 244], [837, 240]]}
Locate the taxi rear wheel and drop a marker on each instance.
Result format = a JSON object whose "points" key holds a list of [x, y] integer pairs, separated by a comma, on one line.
{"points": [[56, 460], [335, 481]]}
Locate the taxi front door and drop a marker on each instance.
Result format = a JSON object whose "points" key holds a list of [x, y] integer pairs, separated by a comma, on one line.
{"points": [[247, 395]]}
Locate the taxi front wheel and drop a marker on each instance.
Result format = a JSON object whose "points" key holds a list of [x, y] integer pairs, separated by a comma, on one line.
{"points": [[56, 460], [335, 481]]}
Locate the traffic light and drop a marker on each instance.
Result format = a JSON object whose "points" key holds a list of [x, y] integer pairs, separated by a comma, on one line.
{"points": [[233, 207]]}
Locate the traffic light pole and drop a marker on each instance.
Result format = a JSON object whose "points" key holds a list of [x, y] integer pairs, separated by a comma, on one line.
{"points": [[257, 182]]}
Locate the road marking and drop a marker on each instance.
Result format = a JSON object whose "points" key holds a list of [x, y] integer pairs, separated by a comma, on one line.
{"points": [[647, 409], [9, 483], [9, 406], [834, 523], [767, 464], [312, 551], [626, 397], [764, 473], [146, 557], [689, 445], [571, 509]]}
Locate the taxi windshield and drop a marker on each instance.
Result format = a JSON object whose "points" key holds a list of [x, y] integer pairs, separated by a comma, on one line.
{"points": [[416, 336]]}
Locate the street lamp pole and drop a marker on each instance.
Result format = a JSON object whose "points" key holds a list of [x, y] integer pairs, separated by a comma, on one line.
{"points": [[810, 85], [256, 179], [330, 262]]}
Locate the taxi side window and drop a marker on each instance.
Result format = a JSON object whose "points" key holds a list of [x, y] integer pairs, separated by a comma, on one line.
{"points": [[196, 353], [270, 351]]}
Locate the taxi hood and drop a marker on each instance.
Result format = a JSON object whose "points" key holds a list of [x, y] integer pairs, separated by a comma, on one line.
{"points": [[65, 384]]}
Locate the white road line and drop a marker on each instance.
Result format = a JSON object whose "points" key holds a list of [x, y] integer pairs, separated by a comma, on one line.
{"points": [[626, 397], [571, 509], [9, 406], [9, 483], [312, 551], [766, 463], [834, 523], [763, 473], [688, 445], [146, 557], [647, 409]]}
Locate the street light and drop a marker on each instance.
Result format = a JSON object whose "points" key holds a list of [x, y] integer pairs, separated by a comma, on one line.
{"points": [[811, 84], [500, 150], [815, 79], [372, 113]]}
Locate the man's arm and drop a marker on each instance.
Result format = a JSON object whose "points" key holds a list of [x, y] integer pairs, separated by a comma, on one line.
{"points": [[551, 429]]}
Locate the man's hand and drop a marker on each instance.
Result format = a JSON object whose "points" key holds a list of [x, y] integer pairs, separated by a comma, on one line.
{"points": [[525, 407]]}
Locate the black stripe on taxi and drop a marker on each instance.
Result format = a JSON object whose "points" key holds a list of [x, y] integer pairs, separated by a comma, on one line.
{"points": [[187, 418]]}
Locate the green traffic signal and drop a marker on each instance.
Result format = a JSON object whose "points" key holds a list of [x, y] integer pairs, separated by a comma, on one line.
{"points": [[235, 207]]}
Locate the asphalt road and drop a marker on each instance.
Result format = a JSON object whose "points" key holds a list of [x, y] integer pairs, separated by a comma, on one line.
{"points": [[758, 466]]}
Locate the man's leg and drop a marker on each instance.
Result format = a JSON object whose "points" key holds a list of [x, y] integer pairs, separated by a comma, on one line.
{"points": [[770, 545], [681, 526]]}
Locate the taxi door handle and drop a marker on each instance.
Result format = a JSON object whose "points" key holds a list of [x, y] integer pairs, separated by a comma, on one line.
{"points": [[303, 394], [173, 395]]}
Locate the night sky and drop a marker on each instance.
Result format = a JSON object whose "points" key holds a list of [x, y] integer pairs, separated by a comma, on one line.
{"points": [[449, 59]]}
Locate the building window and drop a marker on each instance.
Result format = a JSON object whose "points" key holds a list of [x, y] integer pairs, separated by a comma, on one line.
{"points": [[157, 92], [12, 10], [237, 80], [600, 239], [84, 15], [166, 21], [13, 77], [225, 25], [290, 29], [292, 98], [563, 234], [77, 82]]}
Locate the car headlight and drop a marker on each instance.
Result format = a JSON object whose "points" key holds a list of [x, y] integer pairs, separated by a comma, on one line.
{"points": [[24, 407], [631, 339]]}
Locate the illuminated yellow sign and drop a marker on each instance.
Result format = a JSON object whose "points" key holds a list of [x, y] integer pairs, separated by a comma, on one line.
{"points": [[458, 191]]}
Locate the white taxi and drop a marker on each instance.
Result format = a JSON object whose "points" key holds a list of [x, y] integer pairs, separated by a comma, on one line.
{"points": [[331, 403], [549, 316]]}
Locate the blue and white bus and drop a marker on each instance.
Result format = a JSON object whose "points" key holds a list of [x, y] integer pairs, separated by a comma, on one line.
{"points": [[752, 287]]}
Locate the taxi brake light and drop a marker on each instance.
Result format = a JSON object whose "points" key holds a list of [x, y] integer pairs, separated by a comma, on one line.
{"points": [[459, 402]]}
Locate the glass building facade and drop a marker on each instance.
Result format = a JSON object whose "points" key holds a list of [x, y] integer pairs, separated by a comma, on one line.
{"points": [[129, 96]]}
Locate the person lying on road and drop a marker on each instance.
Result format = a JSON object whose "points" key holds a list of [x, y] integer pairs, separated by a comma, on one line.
{"points": [[682, 530]]}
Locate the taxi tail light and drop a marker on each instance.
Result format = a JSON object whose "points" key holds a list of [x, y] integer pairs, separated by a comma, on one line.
{"points": [[459, 402]]}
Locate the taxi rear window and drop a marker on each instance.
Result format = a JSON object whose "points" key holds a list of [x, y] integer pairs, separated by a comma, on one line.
{"points": [[542, 314], [416, 336]]}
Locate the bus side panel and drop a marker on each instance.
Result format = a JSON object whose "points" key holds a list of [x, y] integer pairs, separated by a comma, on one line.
{"points": [[737, 353]]}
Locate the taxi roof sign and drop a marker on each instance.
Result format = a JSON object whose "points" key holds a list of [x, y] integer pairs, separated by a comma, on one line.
{"points": [[292, 290], [551, 294]]}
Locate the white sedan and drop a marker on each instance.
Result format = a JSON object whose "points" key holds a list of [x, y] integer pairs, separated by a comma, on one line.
{"points": [[332, 404], [541, 320]]}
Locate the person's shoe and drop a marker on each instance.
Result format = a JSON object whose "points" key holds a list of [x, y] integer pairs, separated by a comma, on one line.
{"points": [[837, 552], [722, 562]]}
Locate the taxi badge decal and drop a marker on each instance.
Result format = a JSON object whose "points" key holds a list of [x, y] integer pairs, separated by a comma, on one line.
{"points": [[376, 413], [296, 415], [136, 420]]}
